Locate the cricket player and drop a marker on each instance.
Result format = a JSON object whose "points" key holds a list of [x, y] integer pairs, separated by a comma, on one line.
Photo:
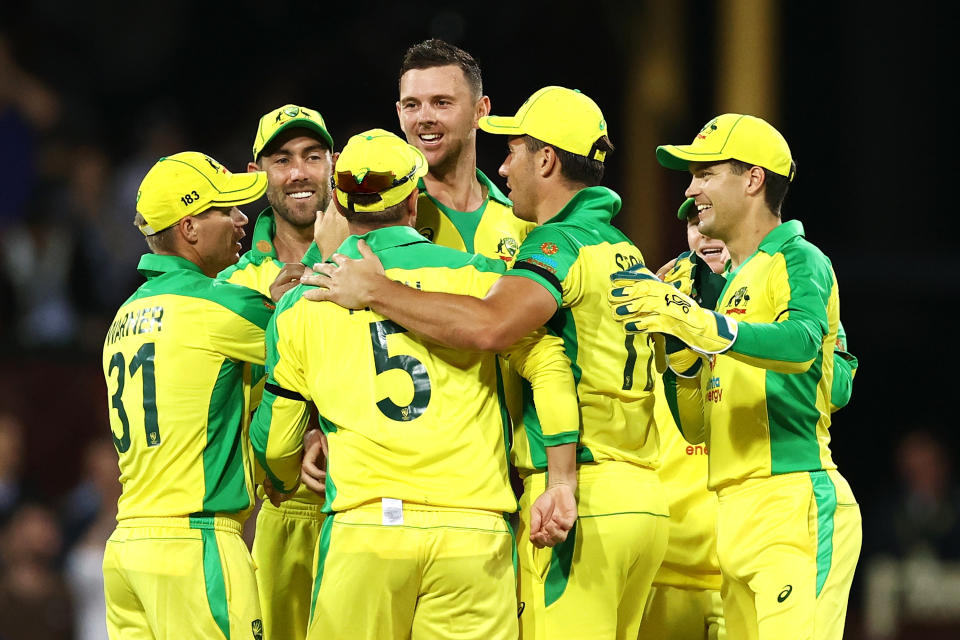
{"points": [[685, 601], [416, 543], [788, 526], [177, 361], [292, 146], [595, 583]]}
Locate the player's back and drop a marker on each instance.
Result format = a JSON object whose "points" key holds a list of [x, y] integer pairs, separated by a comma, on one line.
{"points": [[175, 361], [404, 419]]}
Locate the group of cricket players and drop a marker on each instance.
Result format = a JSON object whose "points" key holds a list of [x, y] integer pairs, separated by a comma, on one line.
{"points": [[467, 412]]}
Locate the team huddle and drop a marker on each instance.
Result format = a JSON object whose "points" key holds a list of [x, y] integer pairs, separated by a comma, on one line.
{"points": [[404, 345]]}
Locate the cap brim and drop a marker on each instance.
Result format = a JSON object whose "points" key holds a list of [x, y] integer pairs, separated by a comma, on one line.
{"points": [[687, 210], [502, 125], [241, 188], [301, 123], [679, 157]]}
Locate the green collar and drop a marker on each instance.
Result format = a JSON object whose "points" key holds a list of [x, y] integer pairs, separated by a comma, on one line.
{"points": [[493, 192], [263, 232], [378, 239], [780, 235], [152, 265], [592, 202]]}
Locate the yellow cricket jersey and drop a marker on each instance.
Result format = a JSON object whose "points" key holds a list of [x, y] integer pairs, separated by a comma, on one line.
{"points": [[176, 361], [767, 400], [423, 424], [691, 558], [492, 230], [572, 256], [257, 269]]}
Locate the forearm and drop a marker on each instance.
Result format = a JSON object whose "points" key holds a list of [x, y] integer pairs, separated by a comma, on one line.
{"points": [[276, 434], [786, 347], [457, 321], [562, 465], [685, 399]]}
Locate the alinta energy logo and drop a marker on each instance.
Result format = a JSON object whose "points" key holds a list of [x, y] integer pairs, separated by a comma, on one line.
{"points": [[737, 303]]}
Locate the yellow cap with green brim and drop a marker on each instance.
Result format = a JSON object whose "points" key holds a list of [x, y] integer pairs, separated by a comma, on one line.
{"points": [[563, 118], [377, 170], [733, 136], [286, 117], [189, 183]]}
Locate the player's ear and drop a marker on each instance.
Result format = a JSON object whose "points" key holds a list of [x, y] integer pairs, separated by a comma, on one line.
{"points": [[482, 109], [546, 161], [755, 180], [189, 229], [399, 117], [253, 166], [411, 203]]}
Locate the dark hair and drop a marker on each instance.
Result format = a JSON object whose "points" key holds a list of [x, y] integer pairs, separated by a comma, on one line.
{"points": [[159, 241], [573, 166], [776, 187], [437, 53]]}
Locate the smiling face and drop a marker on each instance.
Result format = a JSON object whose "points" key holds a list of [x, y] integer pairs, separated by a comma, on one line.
{"points": [[298, 176], [438, 114], [720, 197], [219, 232], [712, 251]]}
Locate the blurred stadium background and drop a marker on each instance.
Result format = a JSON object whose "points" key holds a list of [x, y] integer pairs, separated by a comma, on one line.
{"points": [[92, 94]]}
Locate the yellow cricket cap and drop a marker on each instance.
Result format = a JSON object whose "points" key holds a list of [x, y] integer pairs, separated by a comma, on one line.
{"points": [[377, 162], [563, 118], [189, 183], [733, 136], [289, 115]]}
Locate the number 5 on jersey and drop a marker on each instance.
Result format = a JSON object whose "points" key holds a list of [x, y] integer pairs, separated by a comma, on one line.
{"points": [[384, 362]]}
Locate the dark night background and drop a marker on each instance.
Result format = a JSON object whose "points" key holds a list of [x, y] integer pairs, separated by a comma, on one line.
{"points": [[859, 88]]}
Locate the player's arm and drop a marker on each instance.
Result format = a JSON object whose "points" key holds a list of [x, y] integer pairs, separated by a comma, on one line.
{"points": [[685, 399], [511, 309], [844, 370], [281, 419], [539, 357]]}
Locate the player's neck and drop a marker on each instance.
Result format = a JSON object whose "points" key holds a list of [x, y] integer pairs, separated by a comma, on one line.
{"points": [[291, 242], [456, 186], [750, 233]]}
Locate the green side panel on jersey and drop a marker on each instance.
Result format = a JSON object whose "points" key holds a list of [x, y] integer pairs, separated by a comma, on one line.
{"points": [[561, 559], [532, 428], [322, 549], [792, 415], [330, 486], [564, 325], [504, 415], [223, 472], [466, 222], [188, 283], [213, 579], [825, 494]]}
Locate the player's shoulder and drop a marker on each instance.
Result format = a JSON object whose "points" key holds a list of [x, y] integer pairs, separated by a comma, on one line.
{"points": [[433, 256]]}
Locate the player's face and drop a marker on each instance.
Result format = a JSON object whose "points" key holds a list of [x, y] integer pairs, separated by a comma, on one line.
{"points": [[719, 195], [713, 252], [298, 177], [218, 238], [438, 114], [518, 169]]}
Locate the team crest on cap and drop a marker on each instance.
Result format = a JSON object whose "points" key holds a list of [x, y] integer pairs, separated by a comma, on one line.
{"points": [[548, 248], [708, 128], [213, 163], [290, 111]]}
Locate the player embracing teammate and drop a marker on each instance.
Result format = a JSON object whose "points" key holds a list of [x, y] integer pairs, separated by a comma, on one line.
{"points": [[411, 535]]}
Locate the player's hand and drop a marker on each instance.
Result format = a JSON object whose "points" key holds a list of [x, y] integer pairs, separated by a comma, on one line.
{"points": [[313, 467], [662, 271], [552, 515], [275, 497], [330, 229], [349, 283], [646, 305], [287, 279]]}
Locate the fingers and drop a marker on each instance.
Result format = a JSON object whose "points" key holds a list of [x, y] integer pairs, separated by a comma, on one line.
{"points": [[662, 271], [365, 249]]}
